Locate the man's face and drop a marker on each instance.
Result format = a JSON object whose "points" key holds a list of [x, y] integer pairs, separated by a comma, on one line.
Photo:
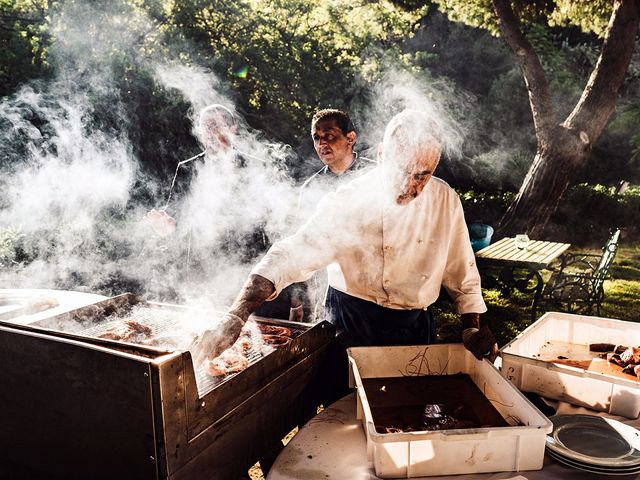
{"points": [[216, 133], [410, 179], [330, 143]]}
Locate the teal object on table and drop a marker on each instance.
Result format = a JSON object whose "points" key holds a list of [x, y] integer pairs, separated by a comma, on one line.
{"points": [[480, 235]]}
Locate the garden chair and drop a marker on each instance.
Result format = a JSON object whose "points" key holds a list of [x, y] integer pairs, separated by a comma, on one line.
{"points": [[578, 285]]}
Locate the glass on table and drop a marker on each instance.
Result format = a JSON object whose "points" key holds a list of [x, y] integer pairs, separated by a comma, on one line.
{"points": [[521, 241]]}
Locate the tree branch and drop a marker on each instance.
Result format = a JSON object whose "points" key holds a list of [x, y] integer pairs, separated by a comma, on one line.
{"points": [[598, 100], [541, 106]]}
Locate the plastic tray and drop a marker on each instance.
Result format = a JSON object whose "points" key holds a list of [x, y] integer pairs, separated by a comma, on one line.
{"points": [[527, 362], [446, 452]]}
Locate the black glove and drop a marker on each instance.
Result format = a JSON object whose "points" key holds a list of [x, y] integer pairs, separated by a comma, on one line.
{"points": [[480, 342], [215, 341]]}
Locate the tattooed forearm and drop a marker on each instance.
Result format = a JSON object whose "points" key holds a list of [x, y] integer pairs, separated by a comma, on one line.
{"points": [[253, 294]]}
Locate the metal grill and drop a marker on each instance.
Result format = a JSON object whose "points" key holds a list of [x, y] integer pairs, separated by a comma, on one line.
{"points": [[170, 332], [173, 422], [163, 322]]}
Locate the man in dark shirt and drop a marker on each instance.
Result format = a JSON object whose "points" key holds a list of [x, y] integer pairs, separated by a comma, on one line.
{"points": [[334, 137], [211, 231]]}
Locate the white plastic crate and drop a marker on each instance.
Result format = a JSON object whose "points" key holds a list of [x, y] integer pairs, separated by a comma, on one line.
{"points": [[523, 364], [447, 452]]}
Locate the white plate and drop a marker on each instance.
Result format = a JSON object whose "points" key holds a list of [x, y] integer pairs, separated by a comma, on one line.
{"points": [[593, 468], [595, 441]]}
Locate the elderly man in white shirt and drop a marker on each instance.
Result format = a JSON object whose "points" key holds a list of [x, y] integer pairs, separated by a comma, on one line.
{"points": [[398, 234]]}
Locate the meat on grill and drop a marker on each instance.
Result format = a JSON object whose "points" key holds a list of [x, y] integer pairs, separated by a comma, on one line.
{"points": [[128, 331], [234, 358], [229, 361], [274, 330]]}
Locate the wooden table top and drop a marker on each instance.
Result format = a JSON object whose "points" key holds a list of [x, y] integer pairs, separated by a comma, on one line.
{"points": [[539, 253]]}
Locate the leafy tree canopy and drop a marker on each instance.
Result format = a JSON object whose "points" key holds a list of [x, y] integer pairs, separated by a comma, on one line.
{"points": [[591, 16], [293, 55]]}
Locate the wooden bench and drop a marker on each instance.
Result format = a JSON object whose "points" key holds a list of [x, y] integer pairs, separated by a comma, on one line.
{"points": [[578, 285]]}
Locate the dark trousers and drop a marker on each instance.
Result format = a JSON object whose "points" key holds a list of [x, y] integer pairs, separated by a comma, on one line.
{"points": [[367, 323]]}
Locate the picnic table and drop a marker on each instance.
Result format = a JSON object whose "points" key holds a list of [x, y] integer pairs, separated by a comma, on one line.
{"points": [[518, 268]]}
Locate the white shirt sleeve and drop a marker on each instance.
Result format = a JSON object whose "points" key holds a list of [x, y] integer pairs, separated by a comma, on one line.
{"points": [[461, 278], [312, 247]]}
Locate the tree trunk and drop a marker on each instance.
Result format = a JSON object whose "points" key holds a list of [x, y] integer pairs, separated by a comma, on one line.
{"points": [[564, 149], [547, 180]]}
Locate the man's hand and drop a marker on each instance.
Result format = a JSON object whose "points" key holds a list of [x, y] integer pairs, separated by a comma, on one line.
{"points": [[161, 222], [215, 341], [480, 342], [296, 312]]}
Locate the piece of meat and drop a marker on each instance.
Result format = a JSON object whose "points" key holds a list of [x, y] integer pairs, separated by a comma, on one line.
{"points": [[128, 330], [243, 343], [615, 358], [229, 361], [619, 349], [274, 330], [138, 327], [110, 335], [636, 370], [602, 347], [630, 356], [276, 340]]}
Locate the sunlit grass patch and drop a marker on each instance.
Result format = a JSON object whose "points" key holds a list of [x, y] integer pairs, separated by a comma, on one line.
{"points": [[508, 316]]}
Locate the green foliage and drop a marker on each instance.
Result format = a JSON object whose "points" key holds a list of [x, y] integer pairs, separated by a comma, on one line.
{"points": [[289, 57], [627, 122], [24, 39], [587, 210], [485, 207], [565, 83], [475, 13], [10, 246], [591, 16]]}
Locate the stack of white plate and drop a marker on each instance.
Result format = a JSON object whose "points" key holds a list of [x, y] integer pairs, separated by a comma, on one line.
{"points": [[595, 444]]}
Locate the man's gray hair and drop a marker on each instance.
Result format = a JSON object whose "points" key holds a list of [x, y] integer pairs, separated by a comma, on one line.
{"points": [[408, 133]]}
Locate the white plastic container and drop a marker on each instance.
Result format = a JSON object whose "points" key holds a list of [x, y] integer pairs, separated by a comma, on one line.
{"points": [[525, 363], [446, 452]]}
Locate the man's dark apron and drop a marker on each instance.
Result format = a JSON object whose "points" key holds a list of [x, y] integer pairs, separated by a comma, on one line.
{"points": [[367, 323]]}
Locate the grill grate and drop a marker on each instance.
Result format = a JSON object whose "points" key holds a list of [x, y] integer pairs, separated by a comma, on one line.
{"points": [[163, 322], [171, 331]]}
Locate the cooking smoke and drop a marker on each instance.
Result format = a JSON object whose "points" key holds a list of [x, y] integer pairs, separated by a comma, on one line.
{"points": [[74, 193]]}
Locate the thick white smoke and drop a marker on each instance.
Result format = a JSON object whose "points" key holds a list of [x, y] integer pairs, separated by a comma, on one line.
{"points": [[67, 207]]}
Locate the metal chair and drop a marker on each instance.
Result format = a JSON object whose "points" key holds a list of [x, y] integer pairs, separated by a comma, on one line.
{"points": [[578, 285]]}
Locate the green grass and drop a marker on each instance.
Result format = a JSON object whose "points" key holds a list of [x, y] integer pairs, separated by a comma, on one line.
{"points": [[509, 316]]}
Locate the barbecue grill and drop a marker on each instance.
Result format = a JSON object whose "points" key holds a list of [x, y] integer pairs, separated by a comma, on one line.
{"points": [[73, 405]]}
